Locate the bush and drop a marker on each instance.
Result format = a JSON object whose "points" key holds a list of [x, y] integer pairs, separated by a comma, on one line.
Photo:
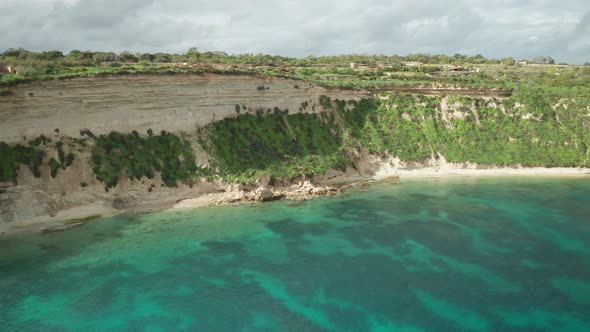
{"points": [[69, 159], [28, 71], [54, 167], [87, 132], [128, 57]]}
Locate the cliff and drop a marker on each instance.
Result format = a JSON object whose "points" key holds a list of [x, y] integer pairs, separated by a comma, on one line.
{"points": [[54, 112], [100, 145], [180, 102]]}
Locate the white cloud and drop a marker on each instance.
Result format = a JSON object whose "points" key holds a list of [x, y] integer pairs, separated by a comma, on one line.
{"points": [[519, 28]]}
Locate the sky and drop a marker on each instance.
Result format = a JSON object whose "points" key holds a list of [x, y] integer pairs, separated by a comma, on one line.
{"points": [[495, 28]]}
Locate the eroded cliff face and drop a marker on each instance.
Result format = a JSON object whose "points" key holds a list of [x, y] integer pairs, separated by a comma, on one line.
{"points": [[247, 129], [179, 104], [176, 103]]}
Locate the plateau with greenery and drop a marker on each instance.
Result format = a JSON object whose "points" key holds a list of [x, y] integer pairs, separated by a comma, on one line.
{"points": [[344, 71]]}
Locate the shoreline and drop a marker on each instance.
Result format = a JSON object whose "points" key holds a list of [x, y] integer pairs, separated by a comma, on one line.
{"points": [[306, 190], [236, 195], [452, 171]]}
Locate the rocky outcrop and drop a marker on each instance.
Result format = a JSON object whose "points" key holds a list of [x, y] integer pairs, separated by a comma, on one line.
{"points": [[238, 195]]}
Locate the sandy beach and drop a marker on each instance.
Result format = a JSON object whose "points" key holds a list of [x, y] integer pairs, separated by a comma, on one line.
{"points": [[466, 172], [439, 167]]}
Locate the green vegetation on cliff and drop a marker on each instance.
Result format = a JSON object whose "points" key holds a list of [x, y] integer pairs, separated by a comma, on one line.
{"points": [[11, 157], [531, 129], [283, 145], [499, 132], [543, 132], [32, 155], [133, 156]]}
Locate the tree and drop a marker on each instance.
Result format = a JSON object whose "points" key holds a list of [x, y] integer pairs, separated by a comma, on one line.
{"points": [[19, 53], [508, 61], [476, 59], [459, 56], [162, 57], [100, 57], [79, 57], [146, 57], [128, 57], [52, 55], [543, 60]]}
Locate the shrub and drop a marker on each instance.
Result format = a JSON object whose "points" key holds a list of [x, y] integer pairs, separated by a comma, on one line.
{"points": [[40, 140], [69, 159], [128, 57], [54, 166], [87, 132]]}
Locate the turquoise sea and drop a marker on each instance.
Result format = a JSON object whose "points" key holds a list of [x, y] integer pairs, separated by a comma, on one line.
{"points": [[464, 254]]}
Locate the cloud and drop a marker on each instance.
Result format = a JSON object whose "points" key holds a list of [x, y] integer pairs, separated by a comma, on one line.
{"points": [[519, 28]]}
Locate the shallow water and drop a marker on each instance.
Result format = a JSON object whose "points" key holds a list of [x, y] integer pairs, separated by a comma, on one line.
{"points": [[423, 255]]}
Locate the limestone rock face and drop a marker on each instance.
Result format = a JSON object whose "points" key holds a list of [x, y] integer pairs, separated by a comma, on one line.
{"points": [[263, 194], [173, 103]]}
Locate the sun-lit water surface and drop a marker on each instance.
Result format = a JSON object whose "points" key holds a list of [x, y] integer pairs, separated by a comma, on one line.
{"points": [[423, 255]]}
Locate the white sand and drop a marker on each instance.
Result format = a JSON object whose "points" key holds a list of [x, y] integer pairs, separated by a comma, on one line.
{"points": [[386, 172], [441, 168]]}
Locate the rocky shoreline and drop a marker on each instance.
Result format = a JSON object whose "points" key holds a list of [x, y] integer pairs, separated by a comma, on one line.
{"points": [[220, 194], [231, 194], [237, 195]]}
